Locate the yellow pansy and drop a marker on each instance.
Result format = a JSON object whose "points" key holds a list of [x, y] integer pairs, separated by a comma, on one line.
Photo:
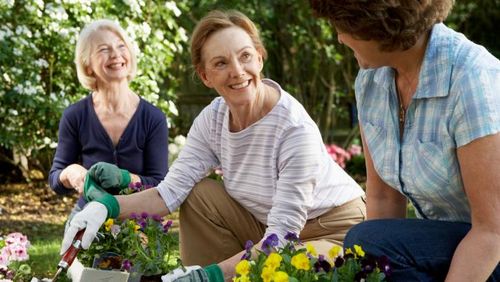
{"points": [[301, 261], [136, 227], [242, 278], [310, 249], [108, 224], [348, 251], [243, 267], [267, 274], [280, 276], [273, 261], [334, 251], [359, 251]]}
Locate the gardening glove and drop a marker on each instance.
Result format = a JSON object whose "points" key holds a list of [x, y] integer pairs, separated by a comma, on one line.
{"points": [[195, 273], [93, 192], [91, 217], [110, 177]]}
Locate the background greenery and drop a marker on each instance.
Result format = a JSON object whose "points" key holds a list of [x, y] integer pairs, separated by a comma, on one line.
{"points": [[38, 77]]}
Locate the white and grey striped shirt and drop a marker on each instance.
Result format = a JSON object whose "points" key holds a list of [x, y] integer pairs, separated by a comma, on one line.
{"points": [[277, 168]]}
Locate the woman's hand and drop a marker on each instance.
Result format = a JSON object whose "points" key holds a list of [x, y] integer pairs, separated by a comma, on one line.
{"points": [[73, 177]]}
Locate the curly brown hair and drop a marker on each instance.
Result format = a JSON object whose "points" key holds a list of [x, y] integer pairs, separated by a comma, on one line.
{"points": [[395, 24]]}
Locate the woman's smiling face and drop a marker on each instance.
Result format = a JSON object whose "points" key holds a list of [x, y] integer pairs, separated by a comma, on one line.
{"points": [[110, 57], [231, 65]]}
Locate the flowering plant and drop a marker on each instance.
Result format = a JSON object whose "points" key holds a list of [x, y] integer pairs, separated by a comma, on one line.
{"points": [[290, 263], [13, 251], [141, 242]]}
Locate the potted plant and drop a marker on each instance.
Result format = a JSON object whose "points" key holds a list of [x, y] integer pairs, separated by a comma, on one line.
{"points": [[141, 245]]}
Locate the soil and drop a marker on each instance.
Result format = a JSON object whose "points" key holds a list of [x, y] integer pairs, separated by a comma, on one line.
{"points": [[33, 209]]}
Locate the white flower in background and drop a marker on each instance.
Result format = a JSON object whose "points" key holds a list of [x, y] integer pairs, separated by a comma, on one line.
{"points": [[183, 34], [17, 52], [173, 7], [159, 35], [7, 3], [180, 140], [135, 6], [39, 4], [146, 30], [175, 147], [56, 12], [173, 108], [23, 30], [41, 63], [6, 77], [16, 70]]}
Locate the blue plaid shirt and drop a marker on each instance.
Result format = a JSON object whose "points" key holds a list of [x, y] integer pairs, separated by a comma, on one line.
{"points": [[457, 100]]}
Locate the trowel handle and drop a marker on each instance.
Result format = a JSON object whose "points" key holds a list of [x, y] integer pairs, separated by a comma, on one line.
{"points": [[70, 255]]}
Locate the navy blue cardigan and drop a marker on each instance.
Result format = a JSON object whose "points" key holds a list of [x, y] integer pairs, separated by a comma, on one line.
{"points": [[142, 148]]}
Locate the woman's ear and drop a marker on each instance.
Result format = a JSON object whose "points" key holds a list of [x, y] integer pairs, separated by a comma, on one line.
{"points": [[203, 76], [89, 71], [261, 62]]}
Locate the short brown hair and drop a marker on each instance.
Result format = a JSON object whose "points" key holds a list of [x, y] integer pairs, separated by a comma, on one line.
{"points": [[217, 20], [396, 24], [84, 46]]}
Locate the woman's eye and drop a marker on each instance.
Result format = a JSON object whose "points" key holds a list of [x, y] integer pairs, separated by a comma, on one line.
{"points": [[103, 50], [121, 46], [220, 65], [246, 57]]}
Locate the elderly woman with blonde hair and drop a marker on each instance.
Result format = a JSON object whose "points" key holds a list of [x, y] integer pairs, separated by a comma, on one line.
{"points": [[112, 126]]}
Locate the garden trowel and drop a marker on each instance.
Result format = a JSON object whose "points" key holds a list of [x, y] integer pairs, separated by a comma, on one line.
{"points": [[70, 255]]}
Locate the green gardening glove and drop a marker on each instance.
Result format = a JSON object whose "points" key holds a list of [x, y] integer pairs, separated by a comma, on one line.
{"points": [[211, 273], [93, 192], [110, 177]]}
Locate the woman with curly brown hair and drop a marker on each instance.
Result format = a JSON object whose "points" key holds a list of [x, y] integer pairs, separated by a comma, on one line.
{"points": [[429, 111]]}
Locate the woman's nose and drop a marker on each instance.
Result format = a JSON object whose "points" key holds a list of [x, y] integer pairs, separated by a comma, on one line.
{"points": [[114, 52], [237, 69]]}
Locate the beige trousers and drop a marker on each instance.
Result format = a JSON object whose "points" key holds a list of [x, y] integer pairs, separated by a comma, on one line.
{"points": [[214, 227]]}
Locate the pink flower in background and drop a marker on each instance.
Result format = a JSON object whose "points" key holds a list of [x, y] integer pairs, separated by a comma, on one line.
{"points": [[15, 249], [218, 171], [355, 150], [338, 154], [17, 238], [4, 259]]}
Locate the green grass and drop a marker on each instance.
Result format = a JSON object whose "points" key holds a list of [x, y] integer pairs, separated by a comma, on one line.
{"points": [[44, 257]]}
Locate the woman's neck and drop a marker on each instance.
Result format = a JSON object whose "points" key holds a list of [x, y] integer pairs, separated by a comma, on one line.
{"points": [[115, 98], [246, 115], [407, 66]]}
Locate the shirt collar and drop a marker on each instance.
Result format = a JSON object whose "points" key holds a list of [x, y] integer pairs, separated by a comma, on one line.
{"points": [[436, 67]]}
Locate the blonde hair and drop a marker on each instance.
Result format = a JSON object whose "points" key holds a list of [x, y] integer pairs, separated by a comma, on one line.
{"points": [[84, 46], [217, 20]]}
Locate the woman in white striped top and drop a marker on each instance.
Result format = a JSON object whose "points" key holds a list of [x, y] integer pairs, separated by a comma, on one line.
{"points": [[278, 177]]}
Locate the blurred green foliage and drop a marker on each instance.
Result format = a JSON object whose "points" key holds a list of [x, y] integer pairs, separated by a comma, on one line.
{"points": [[38, 77]]}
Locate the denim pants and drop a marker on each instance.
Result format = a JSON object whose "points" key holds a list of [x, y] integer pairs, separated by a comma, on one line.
{"points": [[418, 249]]}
